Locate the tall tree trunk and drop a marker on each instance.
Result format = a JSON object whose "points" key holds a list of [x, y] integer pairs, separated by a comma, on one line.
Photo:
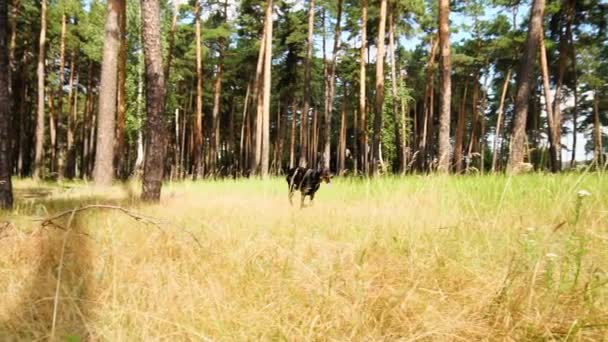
{"points": [[575, 93], [446, 87], [395, 94], [232, 138], [217, 93], [106, 121], [304, 138], [242, 149], [561, 71], [597, 131], [329, 102], [342, 137], [24, 137], [460, 126], [500, 119], [362, 91], [376, 138], [553, 143], [59, 143], [88, 124], [70, 165], [257, 95], [197, 150], [155, 101], [38, 166], [292, 143], [427, 108], [121, 95], [524, 86], [474, 136], [266, 94], [53, 130], [6, 190]]}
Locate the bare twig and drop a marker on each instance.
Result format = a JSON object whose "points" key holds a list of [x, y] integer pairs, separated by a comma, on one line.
{"points": [[136, 216]]}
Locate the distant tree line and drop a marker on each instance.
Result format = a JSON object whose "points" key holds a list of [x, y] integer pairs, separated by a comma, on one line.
{"points": [[172, 90]]}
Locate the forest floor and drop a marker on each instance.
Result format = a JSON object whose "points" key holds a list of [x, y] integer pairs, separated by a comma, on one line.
{"points": [[416, 258]]}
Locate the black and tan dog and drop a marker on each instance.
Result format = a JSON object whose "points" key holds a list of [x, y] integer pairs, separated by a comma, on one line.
{"points": [[307, 181]]}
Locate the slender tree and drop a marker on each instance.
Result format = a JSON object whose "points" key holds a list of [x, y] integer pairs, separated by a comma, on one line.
{"points": [[500, 119], [524, 86], [121, 95], [460, 126], [217, 93], [395, 93], [266, 93], [446, 87], [553, 143], [380, 54], [6, 191], [155, 101], [104, 156], [59, 148], [598, 148], [329, 101], [362, 91], [197, 150], [304, 143], [38, 167]]}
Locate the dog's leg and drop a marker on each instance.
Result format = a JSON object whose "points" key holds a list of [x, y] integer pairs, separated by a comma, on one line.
{"points": [[302, 201], [312, 198], [290, 196]]}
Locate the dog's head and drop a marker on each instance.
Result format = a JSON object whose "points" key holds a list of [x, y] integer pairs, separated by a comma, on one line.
{"points": [[325, 175]]}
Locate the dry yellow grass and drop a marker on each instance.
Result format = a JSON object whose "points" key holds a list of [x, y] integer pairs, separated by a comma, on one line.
{"points": [[419, 258]]}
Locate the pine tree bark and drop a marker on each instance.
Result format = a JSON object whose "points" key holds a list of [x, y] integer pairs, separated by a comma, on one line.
{"points": [[460, 126], [446, 87], [292, 139], [103, 173], [575, 94], [380, 53], [155, 101], [394, 87], [597, 131], [266, 94], [500, 119], [70, 162], [426, 120], [217, 93], [548, 107], [561, 71], [242, 145], [304, 137], [524, 87], [59, 142], [329, 101], [258, 96], [362, 92], [342, 138], [197, 150], [121, 95], [52, 130], [39, 147], [6, 190]]}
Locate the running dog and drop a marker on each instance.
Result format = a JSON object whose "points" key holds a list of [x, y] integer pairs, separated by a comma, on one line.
{"points": [[307, 181]]}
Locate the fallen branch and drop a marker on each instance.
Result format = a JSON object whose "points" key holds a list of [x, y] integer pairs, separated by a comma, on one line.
{"points": [[136, 216]]}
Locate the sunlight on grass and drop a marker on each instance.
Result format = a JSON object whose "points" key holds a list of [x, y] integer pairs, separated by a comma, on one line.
{"points": [[421, 257]]}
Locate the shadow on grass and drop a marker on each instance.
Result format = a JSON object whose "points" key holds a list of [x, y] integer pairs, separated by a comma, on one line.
{"points": [[52, 300], [51, 305]]}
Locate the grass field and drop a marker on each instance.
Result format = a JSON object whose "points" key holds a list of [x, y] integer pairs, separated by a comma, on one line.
{"points": [[417, 258]]}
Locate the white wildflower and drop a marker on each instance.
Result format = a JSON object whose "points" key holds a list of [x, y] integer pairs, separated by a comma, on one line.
{"points": [[583, 193], [551, 255]]}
